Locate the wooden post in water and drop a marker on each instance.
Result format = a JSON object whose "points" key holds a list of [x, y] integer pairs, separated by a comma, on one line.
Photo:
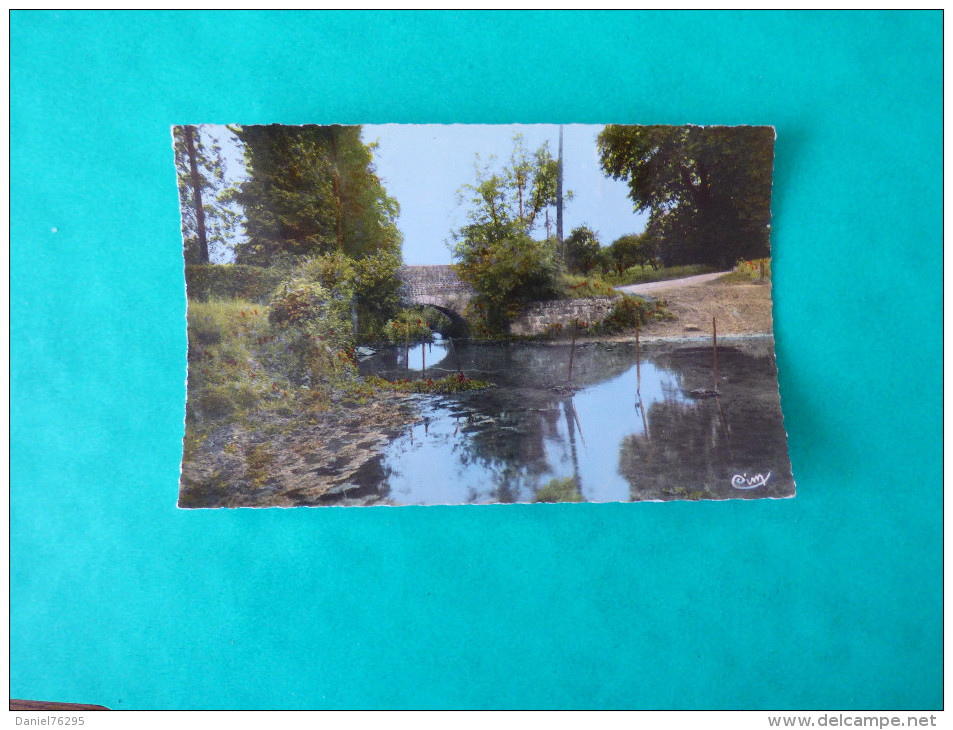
{"points": [[407, 346], [714, 349], [572, 351], [638, 362], [423, 355]]}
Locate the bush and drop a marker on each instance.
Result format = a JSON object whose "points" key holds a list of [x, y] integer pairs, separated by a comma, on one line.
{"points": [[377, 287], [628, 313], [261, 364], [560, 490], [204, 331], [297, 301], [582, 250], [578, 287], [416, 324], [442, 386], [756, 270], [506, 271], [407, 326], [333, 271], [204, 282], [372, 283], [315, 338]]}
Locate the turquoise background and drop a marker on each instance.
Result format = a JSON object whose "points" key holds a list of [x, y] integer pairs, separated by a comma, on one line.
{"points": [[830, 600]]}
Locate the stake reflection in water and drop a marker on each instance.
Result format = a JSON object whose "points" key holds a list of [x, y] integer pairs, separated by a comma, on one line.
{"points": [[506, 443], [640, 405], [576, 473]]}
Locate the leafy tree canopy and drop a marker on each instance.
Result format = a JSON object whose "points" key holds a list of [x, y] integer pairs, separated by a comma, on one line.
{"points": [[708, 189], [582, 249], [515, 197], [311, 190], [495, 252], [634, 249]]}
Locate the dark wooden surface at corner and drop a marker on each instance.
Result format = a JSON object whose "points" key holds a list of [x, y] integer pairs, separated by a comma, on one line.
{"points": [[21, 705]]}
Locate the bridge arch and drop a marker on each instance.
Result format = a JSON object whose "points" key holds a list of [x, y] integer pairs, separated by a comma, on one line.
{"points": [[439, 287]]}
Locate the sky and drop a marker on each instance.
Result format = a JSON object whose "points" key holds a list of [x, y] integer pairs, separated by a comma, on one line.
{"points": [[424, 166]]}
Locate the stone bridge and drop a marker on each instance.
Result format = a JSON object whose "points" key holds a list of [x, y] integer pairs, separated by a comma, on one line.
{"points": [[438, 286]]}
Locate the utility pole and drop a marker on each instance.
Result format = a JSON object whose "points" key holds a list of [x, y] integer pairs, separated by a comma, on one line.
{"points": [[559, 196]]}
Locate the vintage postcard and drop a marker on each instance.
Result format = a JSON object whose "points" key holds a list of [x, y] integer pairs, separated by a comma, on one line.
{"points": [[476, 314]]}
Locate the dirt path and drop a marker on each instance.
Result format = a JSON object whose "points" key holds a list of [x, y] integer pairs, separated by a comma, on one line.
{"points": [[655, 286], [739, 309]]}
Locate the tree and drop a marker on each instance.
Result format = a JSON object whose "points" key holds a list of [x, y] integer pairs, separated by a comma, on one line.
{"points": [[559, 190], [207, 219], [514, 197], [634, 249], [708, 189], [311, 190], [495, 252], [582, 250], [506, 271]]}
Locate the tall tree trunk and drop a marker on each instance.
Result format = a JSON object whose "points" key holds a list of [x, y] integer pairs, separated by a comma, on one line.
{"points": [[559, 194], [339, 210], [197, 193], [338, 206]]}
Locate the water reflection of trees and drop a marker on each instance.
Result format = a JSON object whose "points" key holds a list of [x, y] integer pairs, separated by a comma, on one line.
{"points": [[511, 450], [696, 446], [507, 428], [519, 365]]}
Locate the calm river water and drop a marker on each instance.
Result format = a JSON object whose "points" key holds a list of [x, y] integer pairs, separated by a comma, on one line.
{"points": [[668, 439]]}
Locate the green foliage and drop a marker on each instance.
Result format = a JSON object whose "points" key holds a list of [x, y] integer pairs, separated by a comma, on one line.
{"points": [[708, 189], [224, 372], [634, 249], [289, 197], [416, 324], [315, 324], [494, 251], [560, 490], [603, 261], [373, 283], [334, 271], [410, 325], [209, 185], [230, 281], [582, 250], [312, 190], [512, 198], [585, 287], [442, 386], [638, 275], [377, 287], [242, 360], [746, 272], [507, 272], [215, 403], [436, 320], [628, 313]]}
